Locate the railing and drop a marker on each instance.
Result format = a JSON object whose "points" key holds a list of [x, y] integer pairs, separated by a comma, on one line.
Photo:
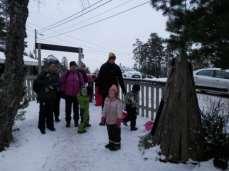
{"points": [[149, 97], [152, 91], [30, 94]]}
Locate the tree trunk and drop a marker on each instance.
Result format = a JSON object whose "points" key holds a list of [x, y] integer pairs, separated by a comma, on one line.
{"points": [[178, 128], [12, 85]]}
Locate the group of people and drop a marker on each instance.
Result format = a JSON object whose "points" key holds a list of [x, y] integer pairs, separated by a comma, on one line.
{"points": [[50, 87], [72, 85]]}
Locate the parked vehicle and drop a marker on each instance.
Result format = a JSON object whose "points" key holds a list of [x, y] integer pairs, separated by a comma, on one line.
{"points": [[215, 78], [132, 74]]}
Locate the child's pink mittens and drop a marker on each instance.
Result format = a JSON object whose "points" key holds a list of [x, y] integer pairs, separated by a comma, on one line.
{"points": [[118, 122], [124, 114]]}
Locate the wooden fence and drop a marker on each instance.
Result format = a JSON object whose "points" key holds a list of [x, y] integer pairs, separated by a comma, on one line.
{"points": [[30, 94], [149, 97]]}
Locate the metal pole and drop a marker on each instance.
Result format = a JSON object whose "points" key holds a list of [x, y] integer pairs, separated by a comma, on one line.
{"points": [[81, 56], [39, 58]]}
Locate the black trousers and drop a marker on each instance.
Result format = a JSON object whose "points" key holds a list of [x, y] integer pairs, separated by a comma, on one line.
{"points": [[46, 115], [132, 116], [114, 134], [57, 108], [69, 102]]}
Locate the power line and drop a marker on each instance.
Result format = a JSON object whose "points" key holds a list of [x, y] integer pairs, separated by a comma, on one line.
{"points": [[75, 15], [99, 21], [106, 11], [69, 20], [71, 15]]}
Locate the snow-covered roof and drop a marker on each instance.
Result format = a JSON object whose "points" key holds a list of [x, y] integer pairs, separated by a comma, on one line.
{"points": [[27, 60]]}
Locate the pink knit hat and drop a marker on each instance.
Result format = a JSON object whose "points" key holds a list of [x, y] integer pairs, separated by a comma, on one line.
{"points": [[114, 88]]}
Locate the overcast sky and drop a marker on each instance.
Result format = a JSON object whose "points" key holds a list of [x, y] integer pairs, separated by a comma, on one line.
{"points": [[116, 34]]}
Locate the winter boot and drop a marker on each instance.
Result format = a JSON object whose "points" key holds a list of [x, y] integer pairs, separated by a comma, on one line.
{"points": [[81, 129], [108, 145], [114, 147], [52, 129], [42, 131], [88, 125]]}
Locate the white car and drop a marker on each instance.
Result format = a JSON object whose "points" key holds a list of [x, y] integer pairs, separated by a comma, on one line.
{"points": [[132, 74], [215, 78]]}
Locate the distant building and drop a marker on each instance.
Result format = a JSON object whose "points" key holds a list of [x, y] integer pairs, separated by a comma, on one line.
{"points": [[31, 65]]}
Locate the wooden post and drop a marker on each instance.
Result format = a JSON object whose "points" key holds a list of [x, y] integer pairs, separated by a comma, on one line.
{"points": [[39, 58]]}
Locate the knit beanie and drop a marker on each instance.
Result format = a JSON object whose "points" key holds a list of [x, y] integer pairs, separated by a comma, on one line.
{"points": [[111, 56]]}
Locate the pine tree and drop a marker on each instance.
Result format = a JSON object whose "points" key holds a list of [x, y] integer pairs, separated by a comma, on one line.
{"points": [[178, 128], [148, 56], [12, 83]]}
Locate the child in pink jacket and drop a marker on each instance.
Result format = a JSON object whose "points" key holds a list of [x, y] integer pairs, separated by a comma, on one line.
{"points": [[112, 113]]}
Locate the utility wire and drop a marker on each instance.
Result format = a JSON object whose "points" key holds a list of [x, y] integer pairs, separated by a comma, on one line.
{"points": [[57, 22], [104, 12], [69, 20], [99, 21], [76, 15]]}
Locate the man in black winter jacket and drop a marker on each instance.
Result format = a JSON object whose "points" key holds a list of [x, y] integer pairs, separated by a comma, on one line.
{"points": [[47, 88], [109, 74]]}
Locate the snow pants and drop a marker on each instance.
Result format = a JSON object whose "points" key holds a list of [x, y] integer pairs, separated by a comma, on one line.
{"points": [[84, 113], [132, 116], [114, 134]]}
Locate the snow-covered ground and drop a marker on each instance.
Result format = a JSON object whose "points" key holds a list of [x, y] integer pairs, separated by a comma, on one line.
{"points": [[65, 150]]}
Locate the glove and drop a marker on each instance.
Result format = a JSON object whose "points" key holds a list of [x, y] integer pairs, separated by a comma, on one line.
{"points": [[124, 114], [118, 122]]}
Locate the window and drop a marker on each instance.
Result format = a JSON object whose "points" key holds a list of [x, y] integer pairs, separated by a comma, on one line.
{"points": [[208, 73], [222, 74]]}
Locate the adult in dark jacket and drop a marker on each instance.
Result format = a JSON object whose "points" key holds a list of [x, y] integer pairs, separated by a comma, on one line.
{"points": [[47, 88], [109, 74]]}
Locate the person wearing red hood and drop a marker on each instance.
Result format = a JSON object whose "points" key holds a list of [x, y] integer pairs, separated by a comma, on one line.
{"points": [[71, 83]]}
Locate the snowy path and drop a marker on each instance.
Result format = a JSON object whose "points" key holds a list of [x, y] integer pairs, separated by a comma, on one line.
{"points": [[65, 150]]}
